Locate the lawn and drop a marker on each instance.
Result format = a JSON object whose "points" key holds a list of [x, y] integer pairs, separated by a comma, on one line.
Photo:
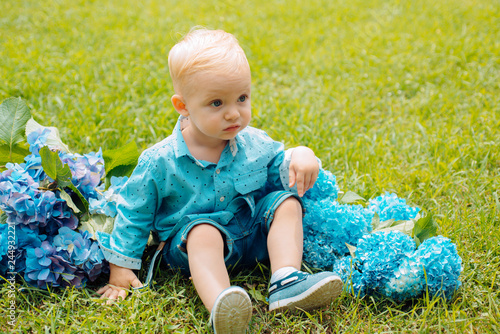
{"points": [[399, 96]]}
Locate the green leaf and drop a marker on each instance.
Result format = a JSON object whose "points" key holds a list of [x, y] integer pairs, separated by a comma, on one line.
{"points": [[375, 221], [256, 294], [351, 197], [53, 140], [54, 167], [65, 196], [123, 156], [19, 151], [3, 218], [387, 223], [14, 113], [425, 228], [123, 170], [120, 162], [97, 223], [153, 239], [83, 204], [352, 250], [59, 172], [405, 226]]}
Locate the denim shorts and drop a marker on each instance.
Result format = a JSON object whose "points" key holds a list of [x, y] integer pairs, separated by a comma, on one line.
{"points": [[245, 235]]}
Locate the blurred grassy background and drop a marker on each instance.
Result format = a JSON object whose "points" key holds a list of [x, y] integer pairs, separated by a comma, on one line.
{"points": [[399, 96]]}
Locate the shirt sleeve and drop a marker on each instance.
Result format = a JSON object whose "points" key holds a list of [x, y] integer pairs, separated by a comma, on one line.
{"points": [[284, 170], [282, 164], [135, 215]]}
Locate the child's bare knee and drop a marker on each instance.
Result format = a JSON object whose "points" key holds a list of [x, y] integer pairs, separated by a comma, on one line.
{"points": [[204, 233], [291, 204]]}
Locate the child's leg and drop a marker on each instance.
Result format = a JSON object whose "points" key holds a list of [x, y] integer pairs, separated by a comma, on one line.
{"points": [[205, 248], [285, 238], [291, 288], [230, 307]]}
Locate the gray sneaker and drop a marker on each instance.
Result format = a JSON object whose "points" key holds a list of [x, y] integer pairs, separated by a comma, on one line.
{"points": [[232, 311], [304, 291]]}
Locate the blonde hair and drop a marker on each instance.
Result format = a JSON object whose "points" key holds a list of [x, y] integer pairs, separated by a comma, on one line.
{"points": [[206, 50]]}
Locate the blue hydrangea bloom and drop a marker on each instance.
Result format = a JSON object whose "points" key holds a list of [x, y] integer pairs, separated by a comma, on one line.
{"points": [[379, 255], [407, 281], [328, 226], [21, 198], [442, 265], [46, 267], [388, 264], [4, 247], [343, 267], [37, 139], [27, 236], [96, 263], [50, 252], [33, 166], [83, 252], [77, 246], [87, 171], [44, 204], [15, 175], [389, 206], [435, 267], [106, 202], [61, 216], [346, 268], [325, 187]]}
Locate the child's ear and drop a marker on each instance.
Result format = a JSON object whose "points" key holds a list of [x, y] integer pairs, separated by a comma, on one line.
{"points": [[179, 105]]}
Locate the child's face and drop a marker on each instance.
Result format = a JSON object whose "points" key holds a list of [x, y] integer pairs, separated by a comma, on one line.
{"points": [[218, 105]]}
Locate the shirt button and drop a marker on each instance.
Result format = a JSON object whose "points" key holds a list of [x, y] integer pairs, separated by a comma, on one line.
{"points": [[218, 171], [222, 199]]}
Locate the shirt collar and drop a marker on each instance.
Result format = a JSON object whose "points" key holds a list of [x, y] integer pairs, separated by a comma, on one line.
{"points": [[181, 148]]}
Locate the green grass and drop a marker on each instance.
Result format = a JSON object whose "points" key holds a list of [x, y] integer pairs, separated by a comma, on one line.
{"points": [[399, 96]]}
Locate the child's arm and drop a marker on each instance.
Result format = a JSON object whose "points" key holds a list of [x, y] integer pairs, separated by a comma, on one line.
{"points": [[123, 248], [303, 170], [120, 280]]}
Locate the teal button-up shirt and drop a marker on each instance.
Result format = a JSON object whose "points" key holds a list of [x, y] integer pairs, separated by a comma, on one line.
{"points": [[170, 184]]}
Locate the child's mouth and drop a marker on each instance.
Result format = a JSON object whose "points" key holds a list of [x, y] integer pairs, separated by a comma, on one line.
{"points": [[232, 128]]}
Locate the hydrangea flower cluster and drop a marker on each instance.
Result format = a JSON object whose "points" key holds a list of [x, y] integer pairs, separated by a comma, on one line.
{"points": [[389, 206], [87, 171], [389, 264], [434, 267], [378, 255], [4, 246], [328, 225], [325, 187], [106, 201], [45, 266], [50, 250], [386, 263]]}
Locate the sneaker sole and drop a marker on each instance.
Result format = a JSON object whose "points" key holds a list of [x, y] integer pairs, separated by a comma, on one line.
{"points": [[319, 295], [233, 312]]}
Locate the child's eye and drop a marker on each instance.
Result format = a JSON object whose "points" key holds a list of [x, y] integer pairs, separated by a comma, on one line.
{"points": [[216, 103], [242, 98]]}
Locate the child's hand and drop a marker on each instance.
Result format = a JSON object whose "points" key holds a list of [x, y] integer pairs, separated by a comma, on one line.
{"points": [[120, 280], [304, 169]]}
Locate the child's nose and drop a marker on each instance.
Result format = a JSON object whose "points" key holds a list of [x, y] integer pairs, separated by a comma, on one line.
{"points": [[232, 113]]}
